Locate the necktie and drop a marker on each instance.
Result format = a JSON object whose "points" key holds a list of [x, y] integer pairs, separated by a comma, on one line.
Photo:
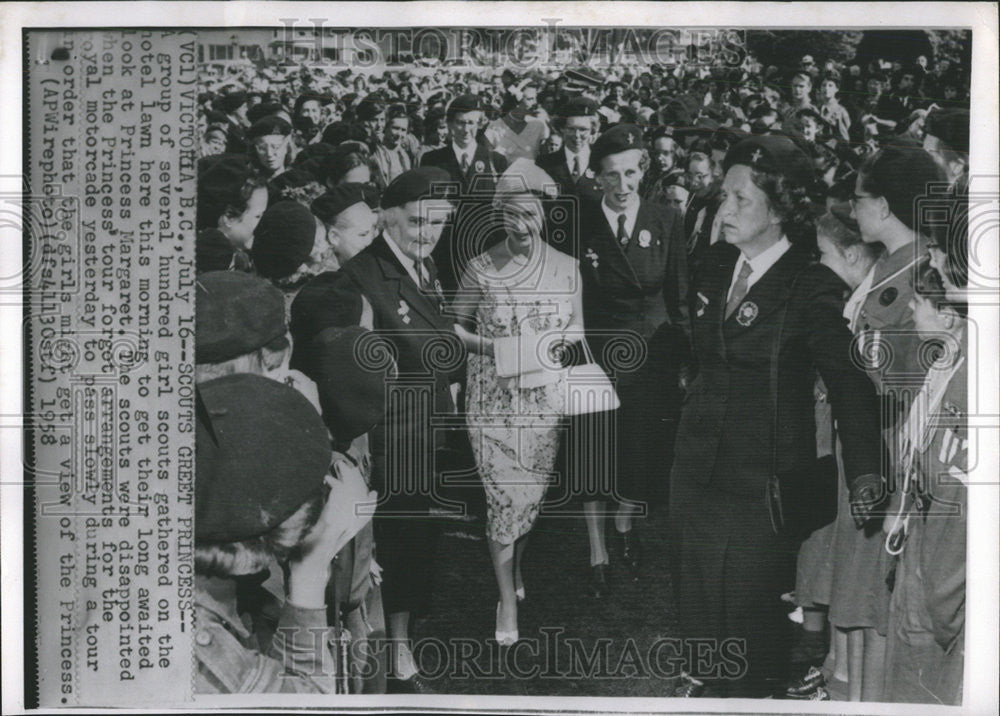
{"points": [[622, 236], [740, 289], [465, 163], [425, 269], [576, 167]]}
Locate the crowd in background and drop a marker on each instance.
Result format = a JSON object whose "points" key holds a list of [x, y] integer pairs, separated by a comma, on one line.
{"points": [[303, 192]]}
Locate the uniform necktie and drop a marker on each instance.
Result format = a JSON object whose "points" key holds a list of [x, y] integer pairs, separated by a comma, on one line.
{"points": [[622, 235], [740, 289], [576, 167], [465, 163]]}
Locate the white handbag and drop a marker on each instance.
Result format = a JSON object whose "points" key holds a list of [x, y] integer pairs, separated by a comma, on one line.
{"points": [[588, 387]]}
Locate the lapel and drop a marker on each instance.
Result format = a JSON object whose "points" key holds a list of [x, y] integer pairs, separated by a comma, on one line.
{"points": [[399, 283], [767, 295], [616, 251], [482, 156], [639, 257]]}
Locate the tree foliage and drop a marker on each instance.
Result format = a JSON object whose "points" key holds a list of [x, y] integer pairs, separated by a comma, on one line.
{"points": [[785, 48]]}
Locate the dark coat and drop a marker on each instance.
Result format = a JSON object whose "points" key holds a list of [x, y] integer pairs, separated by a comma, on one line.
{"points": [[636, 288], [474, 226], [554, 164], [411, 321], [725, 436]]}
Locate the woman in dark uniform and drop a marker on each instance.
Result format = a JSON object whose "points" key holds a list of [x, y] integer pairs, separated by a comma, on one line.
{"points": [[760, 298]]}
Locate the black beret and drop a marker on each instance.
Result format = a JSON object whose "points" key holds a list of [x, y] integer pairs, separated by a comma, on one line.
{"points": [[283, 239], [371, 106], [262, 452], [221, 179], [465, 103], [351, 393], [263, 109], [270, 125], [232, 101], [579, 107], [328, 205], [235, 313], [951, 126], [619, 138], [775, 154], [312, 154], [420, 183], [901, 173]]}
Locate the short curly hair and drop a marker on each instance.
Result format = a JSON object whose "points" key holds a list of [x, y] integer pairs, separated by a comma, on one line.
{"points": [[790, 202]]}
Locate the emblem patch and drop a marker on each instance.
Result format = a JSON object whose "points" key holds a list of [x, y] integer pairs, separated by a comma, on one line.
{"points": [[888, 295], [480, 167], [746, 313], [592, 255], [403, 311], [702, 304], [644, 239]]}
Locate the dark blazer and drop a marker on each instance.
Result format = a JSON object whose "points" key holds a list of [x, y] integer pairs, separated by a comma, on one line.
{"points": [[474, 227], [725, 438], [554, 164], [426, 350], [637, 288]]}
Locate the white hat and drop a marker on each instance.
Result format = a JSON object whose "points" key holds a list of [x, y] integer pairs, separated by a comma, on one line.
{"points": [[523, 176]]}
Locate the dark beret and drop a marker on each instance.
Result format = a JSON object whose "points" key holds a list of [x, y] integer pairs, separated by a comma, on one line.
{"points": [[283, 239], [901, 173], [235, 313], [420, 183], [221, 179], [330, 299], [218, 118], [232, 101], [775, 154], [351, 394], [371, 106], [311, 154], [950, 126], [465, 103], [832, 76], [579, 107], [262, 452], [328, 205], [270, 125], [261, 110], [619, 138]]}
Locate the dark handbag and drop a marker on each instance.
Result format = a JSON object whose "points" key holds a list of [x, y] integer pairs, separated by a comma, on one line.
{"points": [[799, 502]]}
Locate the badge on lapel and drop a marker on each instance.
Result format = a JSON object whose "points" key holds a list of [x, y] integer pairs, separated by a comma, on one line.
{"points": [[746, 313], [888, 295], [480, 167], [702, 304], [644, 239], [592, 255], [403, 311], [589, 173]]}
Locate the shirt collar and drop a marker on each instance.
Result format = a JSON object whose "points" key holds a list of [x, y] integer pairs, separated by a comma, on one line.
{"points": [[469, 152], [584, 155], [631, 212], [763, 261], [408, 263]]}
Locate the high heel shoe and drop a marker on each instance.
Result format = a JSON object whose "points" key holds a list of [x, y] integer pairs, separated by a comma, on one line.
{"points": [[504, 638]]}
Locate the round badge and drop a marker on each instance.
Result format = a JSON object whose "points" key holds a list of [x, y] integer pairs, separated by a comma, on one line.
{"points": [[746, 313], [888, 295], [644, 238], [480, 166]]}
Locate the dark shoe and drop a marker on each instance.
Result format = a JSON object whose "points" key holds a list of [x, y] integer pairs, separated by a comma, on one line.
{"points": [[628, 550], [413, 685], [598, 581], [805, 686]]}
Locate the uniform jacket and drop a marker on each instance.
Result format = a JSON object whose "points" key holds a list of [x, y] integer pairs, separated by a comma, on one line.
{"points": [[726, 434], [636, 288], [554, 164], [423, 343], [229, 660], [473, 227]]}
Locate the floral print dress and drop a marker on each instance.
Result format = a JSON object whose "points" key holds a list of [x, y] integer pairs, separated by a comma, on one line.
{"points": [[515, 431]]}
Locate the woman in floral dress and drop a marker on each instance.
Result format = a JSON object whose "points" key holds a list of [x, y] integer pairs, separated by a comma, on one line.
{"points": [[522, 297]]}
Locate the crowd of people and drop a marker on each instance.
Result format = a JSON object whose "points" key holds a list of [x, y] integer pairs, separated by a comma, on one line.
{"points": [[709, 289]]}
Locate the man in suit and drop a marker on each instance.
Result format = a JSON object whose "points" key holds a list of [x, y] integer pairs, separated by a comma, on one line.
{"points": [[578, 124], [391, 286], [475, 168], [634, 274], [760, 298]]}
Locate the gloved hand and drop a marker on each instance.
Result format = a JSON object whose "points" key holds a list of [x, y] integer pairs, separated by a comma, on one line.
{"points": [[867, 494]]}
